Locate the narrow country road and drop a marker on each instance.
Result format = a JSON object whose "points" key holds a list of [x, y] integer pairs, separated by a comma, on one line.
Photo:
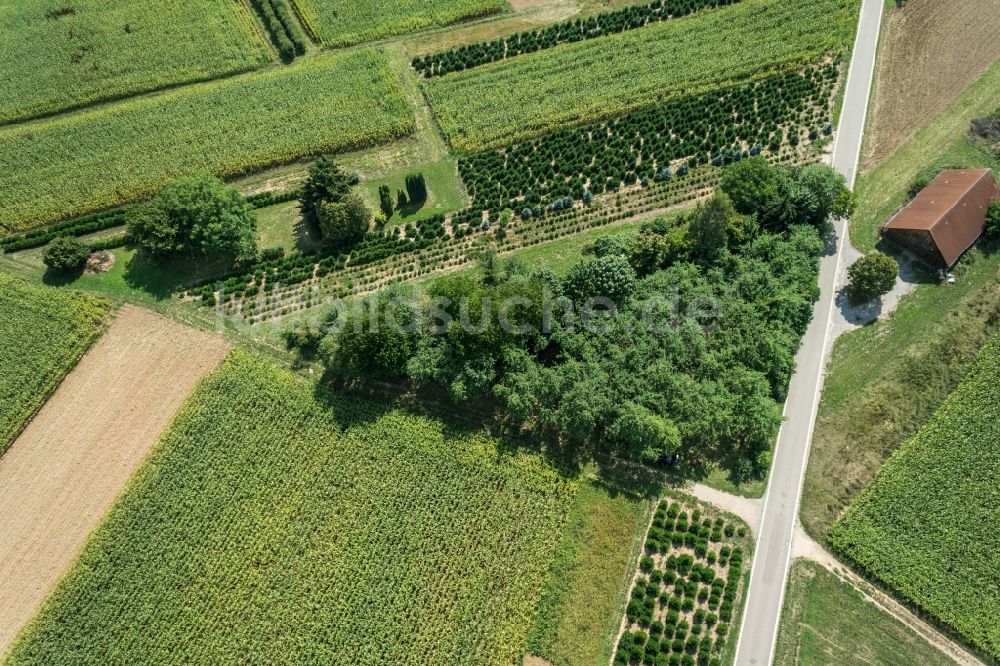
{"points": [[759, 629]]}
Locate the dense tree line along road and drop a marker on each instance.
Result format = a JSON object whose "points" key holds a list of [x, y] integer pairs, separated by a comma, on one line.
{"points": [[781, 501]]}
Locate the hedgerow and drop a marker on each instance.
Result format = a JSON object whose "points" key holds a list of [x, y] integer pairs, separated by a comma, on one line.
{"points": [[927, 525], [124, 152], [714, 128], [43, 332], [494, 104], [282, 520], [118, 217], [529, 41]]}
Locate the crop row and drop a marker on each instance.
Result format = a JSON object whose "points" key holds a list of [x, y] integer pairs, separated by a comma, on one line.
{"points": [[684, 598], [43, 332], [279, 519], [120, 153], [927, 525], [575, 30], [495, 104], [647, 145]]}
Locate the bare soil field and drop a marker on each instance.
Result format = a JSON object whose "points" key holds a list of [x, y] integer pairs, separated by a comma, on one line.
{"points": [[63, 473], [930, 52]]}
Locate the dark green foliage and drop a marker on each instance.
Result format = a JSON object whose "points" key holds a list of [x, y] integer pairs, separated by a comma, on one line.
{"points": [[992, 229], [608, 278], [198, 215], [703, 370], [344, 222], [326, 182], [720, 127], [385, 201], [416, 189], [282, 27], [871, 276], [605, 23], [782, 196], [65, 254]]}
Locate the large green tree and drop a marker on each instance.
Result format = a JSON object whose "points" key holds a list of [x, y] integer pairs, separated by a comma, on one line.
{"points": [[344, 222], [197, 215], [871, 276], [326, 182]]}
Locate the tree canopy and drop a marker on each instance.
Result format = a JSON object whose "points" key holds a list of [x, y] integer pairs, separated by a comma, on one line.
{"points": [[871, 276], [196, 215]]}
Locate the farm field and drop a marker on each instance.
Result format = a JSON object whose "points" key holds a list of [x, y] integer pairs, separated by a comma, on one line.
{"points": [[65, 470], [886, 379], [125, 151], [43, 333], [281, 522], [343, 22], [597, 78], [927, 524], [826, 622], [58, 56], [912, 88]]}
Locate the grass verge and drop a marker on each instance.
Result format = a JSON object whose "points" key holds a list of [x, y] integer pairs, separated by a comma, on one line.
{"points": [[826, 622]]}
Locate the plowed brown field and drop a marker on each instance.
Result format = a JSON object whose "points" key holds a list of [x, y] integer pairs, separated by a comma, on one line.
{"points": [[931, 51]]}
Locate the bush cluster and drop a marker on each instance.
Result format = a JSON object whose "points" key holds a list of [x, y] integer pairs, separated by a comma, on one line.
{"points": [[692, 601], [575, 30], [718, 128], [282, 28]]}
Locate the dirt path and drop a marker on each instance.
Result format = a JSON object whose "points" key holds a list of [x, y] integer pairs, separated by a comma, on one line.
{"points": [[930, 52], [69, 465]]}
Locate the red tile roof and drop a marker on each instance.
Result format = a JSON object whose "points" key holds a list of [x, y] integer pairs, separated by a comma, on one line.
{"points": [[952, 208]]}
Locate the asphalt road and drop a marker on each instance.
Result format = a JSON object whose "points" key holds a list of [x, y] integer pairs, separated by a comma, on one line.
{"points": [[781, 501]]}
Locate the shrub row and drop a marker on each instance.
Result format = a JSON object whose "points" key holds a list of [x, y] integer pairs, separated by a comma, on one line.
{"points": [[79, 226], [265, 199], [605, 23], [714, 128], [118, 217], [281, 26]]}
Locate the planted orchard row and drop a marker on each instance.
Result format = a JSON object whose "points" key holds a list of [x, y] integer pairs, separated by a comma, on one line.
{"points": [[529, 41], [656, 143], [684, 598], [271, 293]]}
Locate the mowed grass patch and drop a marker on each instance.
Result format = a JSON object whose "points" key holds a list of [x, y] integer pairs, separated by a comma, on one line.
{"points": [[58, 55], [122, 152], [500, 102], [927, 525], [345, 22], [582, 605], [278, 522], [43, 333], [827, 622], [444, 191]]}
